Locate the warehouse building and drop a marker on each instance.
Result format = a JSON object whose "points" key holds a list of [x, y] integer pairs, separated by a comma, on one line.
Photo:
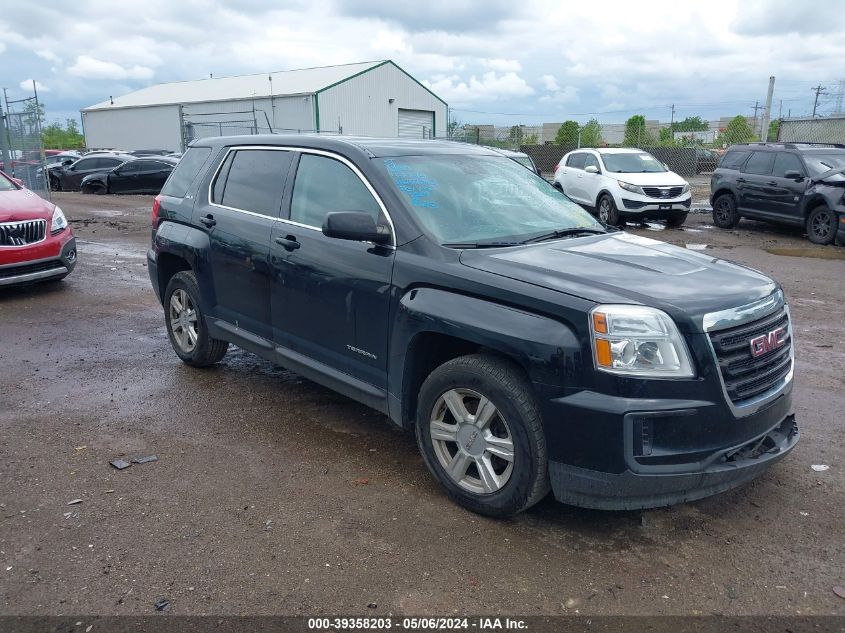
{"points": [[368, 99]]}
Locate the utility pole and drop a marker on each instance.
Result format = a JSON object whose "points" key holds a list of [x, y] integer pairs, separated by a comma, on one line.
{"points": [[757, 106], [672, 121], [767, 112], [4, 140], [819, 90]]}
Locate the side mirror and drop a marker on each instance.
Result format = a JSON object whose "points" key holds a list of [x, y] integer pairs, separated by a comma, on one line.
{"points": [[357, 226], [591, 169], [794, 175]]}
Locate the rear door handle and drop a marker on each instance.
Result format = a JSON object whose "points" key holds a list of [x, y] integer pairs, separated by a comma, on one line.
{"points": [[289, 242], [208, 220], [772, 183]]}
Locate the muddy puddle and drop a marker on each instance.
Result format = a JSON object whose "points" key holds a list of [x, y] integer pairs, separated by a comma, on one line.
{"points": [[816, 253]]}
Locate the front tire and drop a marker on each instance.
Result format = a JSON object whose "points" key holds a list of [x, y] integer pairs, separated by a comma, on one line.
{"points": [[479, 431], [186, 325], [607, 211], [725, 215], [821, 225]]}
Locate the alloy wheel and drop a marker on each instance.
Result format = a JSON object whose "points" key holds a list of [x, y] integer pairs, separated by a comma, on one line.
{"points": [[183, 320], [821, 226], [472, 441], [604, 210]]}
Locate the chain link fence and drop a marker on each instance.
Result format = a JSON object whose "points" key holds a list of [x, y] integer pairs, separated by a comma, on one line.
{"points": [[22, 150], [689, 153]]}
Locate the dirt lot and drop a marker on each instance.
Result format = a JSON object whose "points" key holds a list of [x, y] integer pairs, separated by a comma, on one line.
{"points": [[272, 495]]}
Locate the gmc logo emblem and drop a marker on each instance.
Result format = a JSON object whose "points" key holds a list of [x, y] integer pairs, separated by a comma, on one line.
{"points": [[767, 342]]}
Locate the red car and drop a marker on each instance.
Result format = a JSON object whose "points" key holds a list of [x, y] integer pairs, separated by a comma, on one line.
{"points": [[36, 242]]}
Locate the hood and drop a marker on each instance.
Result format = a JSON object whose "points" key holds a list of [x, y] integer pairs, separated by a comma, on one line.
{"points": [[23, 204], [651, 179], [625, 268]]}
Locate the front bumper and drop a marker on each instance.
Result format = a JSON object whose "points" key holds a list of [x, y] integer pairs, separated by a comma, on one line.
{"points": [[52, 259], [652, 453], [634, 205]]}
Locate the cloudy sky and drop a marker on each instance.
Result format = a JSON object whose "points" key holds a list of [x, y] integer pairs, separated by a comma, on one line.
{"points": [[501, 61]]}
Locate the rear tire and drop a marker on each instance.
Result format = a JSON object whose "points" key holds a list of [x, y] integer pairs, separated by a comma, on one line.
{"points": [[677, 220], [186, 325], [55, 184], [725, 215], [607, 211], [821, 225], [490, 456]]}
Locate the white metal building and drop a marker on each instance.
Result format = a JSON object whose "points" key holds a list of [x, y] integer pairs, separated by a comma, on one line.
{"points": [[367, 99]]}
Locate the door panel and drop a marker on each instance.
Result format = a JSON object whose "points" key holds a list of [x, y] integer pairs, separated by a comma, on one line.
{"points": [[330, 297], [752, 184], [574, 177], [591, 183], [245, 204]]}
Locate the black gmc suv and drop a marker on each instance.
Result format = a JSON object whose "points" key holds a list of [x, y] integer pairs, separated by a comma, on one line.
{"points": [[464, 297], [801, 184]]}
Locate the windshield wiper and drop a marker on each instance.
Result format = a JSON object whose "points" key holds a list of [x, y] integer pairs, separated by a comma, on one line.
{"points": [[551, 235], [482, 244]]}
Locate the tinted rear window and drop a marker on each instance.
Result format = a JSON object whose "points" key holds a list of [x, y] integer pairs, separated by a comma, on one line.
{"points": [[733, 160], [187, 169], [255, 181]]}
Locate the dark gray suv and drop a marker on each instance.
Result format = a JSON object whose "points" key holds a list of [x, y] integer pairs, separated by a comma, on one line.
{"points": [[791, 183]]}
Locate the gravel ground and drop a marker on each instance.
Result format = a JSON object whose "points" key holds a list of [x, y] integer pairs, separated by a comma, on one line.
{"points": [[272, 495]]}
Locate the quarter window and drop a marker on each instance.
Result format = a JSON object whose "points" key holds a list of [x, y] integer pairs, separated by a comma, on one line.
{"points": [[324, 185], [187, 169], [733, 160], [255, 181], [760, 163]]}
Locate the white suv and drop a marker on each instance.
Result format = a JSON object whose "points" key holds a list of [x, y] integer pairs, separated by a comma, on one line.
{"points": [[623, 183]]}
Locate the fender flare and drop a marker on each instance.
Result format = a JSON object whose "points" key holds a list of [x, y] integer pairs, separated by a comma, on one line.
{"points": [[548, 350]]}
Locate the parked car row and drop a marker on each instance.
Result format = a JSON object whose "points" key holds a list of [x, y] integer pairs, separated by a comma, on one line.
{"points": [[112, 172]]}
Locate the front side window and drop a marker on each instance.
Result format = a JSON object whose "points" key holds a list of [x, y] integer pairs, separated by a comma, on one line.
{"points": [[466, 199], [6, 184], [324, 185], [785, 162], [254, 181], [591, 161], [760, 163], [632, 163], [130, 167]]}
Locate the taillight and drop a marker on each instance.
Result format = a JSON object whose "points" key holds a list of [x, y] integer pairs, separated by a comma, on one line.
{"points": [[156, 207]]}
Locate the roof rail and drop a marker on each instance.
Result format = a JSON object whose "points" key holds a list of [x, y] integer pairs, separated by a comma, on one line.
{"points": [[793, 144]]}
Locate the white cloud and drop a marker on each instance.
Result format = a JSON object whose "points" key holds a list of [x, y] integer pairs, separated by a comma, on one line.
{"points": [[93, 68], [503, 65], [489, 87], [567, 94], [550, 83], [26, 84], [47, 54]]}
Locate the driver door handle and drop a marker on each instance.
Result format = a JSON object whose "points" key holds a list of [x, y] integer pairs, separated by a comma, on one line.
{"points": [[289, 243], [208, 220]]}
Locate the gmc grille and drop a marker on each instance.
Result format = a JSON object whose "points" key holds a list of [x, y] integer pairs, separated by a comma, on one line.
{"points": [[745, 375], [663, 192], [22, 233]]}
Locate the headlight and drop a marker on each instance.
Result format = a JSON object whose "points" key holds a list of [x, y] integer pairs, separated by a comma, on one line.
{"points": [[59, 220], [632, 188], [686, 188], [638, 341]]}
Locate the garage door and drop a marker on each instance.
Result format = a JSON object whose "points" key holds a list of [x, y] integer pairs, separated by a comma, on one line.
{"points": [[416, 123]]}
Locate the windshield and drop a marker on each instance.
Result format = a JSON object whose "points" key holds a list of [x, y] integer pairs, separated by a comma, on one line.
{"points": [[464, 199], [634, 163], [820, 163]]}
